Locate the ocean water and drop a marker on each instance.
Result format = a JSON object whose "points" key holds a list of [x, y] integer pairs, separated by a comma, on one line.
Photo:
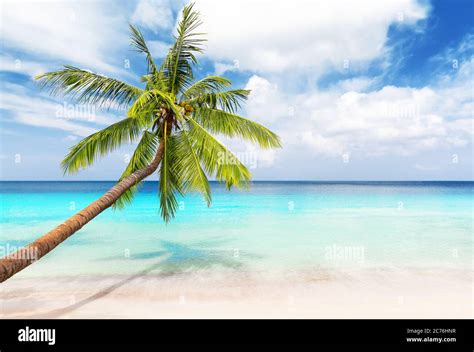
{"points": [[270, 228]]}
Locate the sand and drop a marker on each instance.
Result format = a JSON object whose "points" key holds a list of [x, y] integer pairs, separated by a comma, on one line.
{"points": [[234, 294]]}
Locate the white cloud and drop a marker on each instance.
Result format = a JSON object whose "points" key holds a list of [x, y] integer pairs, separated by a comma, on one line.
{"points": [[322, 145], [80, 120], [276, 36], [262, 100], [253, 156], [220, 67], [43, 120], [392, 120], [454, 54], [76, 33], [158, 48], [388, 121], [32, 68], [155, 15], [355, 84]]}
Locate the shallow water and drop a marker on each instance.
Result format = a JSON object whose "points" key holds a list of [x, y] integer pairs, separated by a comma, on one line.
{"points": [[270, 228]]}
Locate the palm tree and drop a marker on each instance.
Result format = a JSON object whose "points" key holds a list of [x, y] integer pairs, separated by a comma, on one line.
{"points": [[173, 119]]}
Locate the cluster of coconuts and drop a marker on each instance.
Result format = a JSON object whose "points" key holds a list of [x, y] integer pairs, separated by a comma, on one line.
{"points": [[187, 108]]}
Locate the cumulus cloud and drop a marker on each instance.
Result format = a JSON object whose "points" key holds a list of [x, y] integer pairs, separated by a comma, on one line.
{"points": [[277, 36], [155, 15], [388, 121], [262, 100]]}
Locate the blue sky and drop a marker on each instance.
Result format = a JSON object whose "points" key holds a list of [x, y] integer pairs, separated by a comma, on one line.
{"points": [[369, 90]]}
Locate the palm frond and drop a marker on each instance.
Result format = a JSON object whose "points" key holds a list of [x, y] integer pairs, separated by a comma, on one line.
{"points": [[141, 158], [177, 64], [221, 122], [169, 186], [138, 41], [228, 101], [101, 143], [209, 84], [216, 158], [88, 87], [188, 167], [150, 101], [155, 81]]}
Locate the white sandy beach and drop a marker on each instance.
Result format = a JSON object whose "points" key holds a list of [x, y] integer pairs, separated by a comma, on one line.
{"points": [[374, 294]]}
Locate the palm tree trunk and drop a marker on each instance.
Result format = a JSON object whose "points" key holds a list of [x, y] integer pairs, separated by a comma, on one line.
{"points": [[19, 260]]}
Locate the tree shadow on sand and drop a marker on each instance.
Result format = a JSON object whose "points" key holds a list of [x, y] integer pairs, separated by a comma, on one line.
{"points": [[175, 259]]}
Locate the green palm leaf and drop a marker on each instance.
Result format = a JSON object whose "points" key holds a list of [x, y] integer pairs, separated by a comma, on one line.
{"points": [[155, 81], [177, 64], [151, 101], [169, 186], [89, 88], [101, 143], [216, 158], [209, 84], [137, 41], [221, 122], [228, 101], [188, 167]]}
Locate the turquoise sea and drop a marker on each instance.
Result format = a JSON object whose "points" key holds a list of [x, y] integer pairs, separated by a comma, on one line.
{"points": [[269, 228]]}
